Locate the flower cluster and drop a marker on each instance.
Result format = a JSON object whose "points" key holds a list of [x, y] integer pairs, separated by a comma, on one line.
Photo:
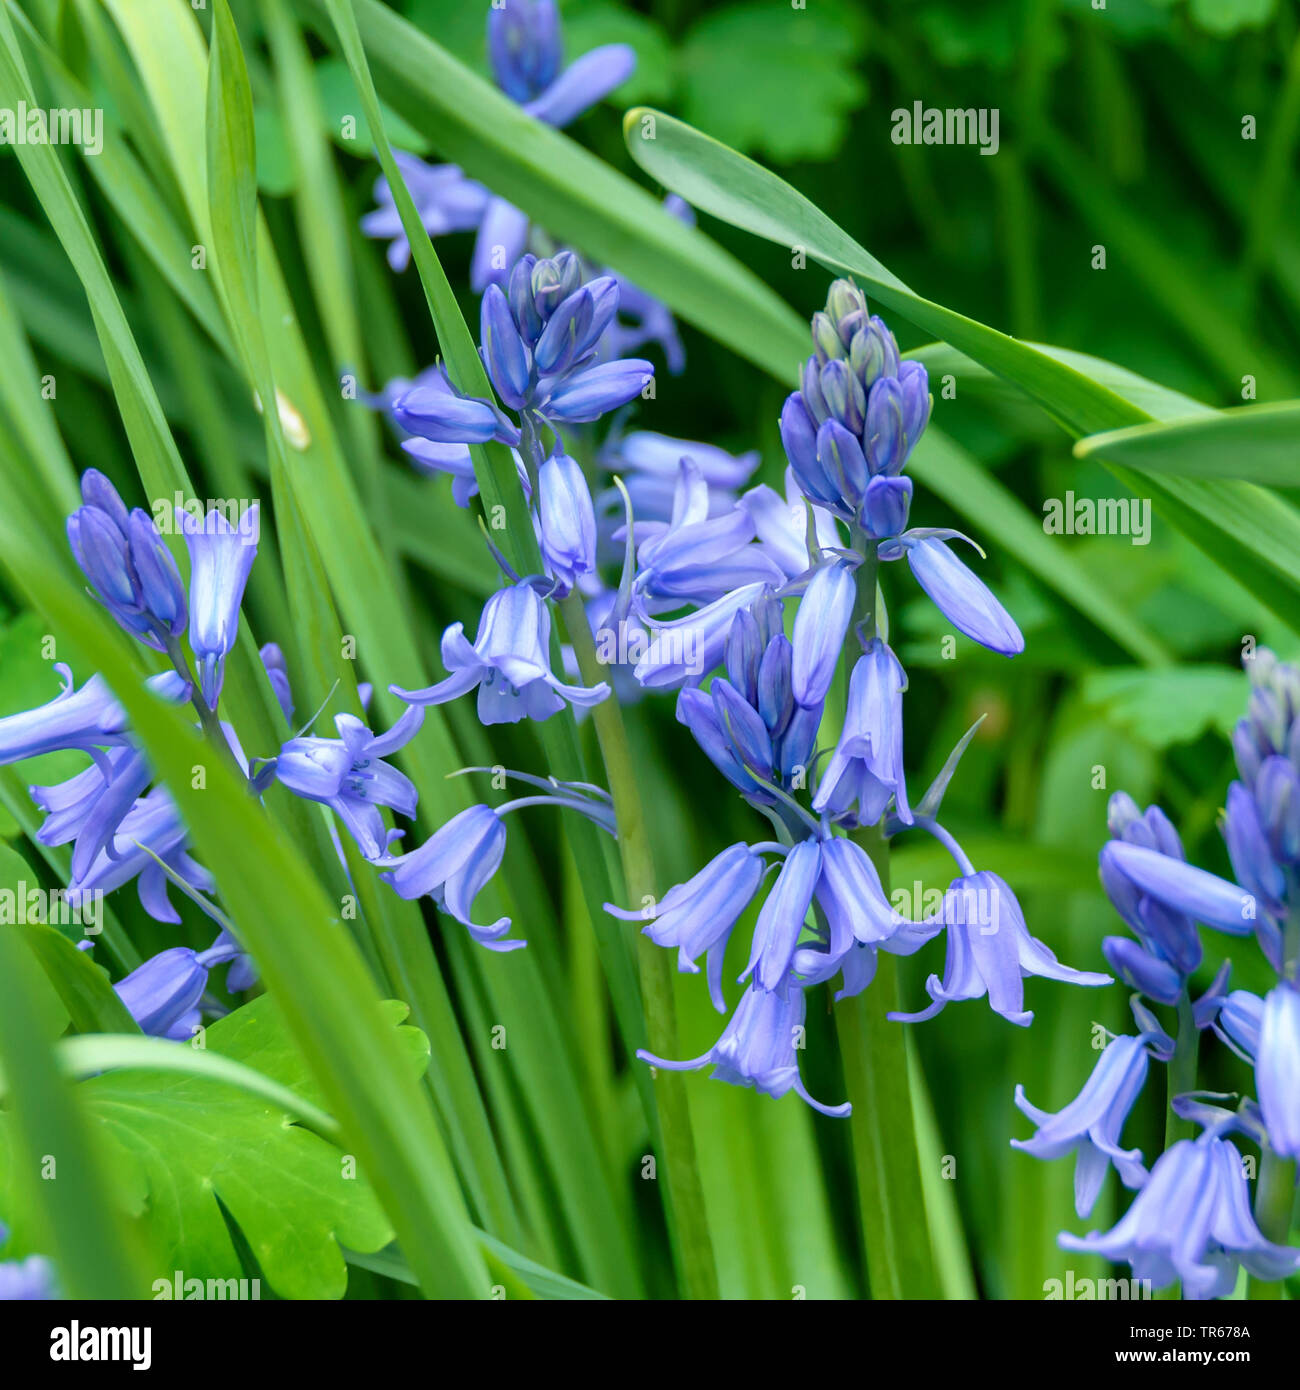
{"points": [[1191, 1220], [848, 433], [124, 827], [525, 49]]}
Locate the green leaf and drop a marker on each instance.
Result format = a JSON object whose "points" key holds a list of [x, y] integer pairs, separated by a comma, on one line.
{"points": [[717, 180], [291, 928], [188, 1140], [950, 472], [344, 118], [82, 985], [73, 1218], [1162, 708], [591, 25], [1256, 443], [579, 199], [774, 79], [1229, 16]]}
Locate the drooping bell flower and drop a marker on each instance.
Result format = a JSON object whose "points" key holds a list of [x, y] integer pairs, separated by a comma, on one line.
{"points": [[349, 775], [452, 866], [698, 916], [1090, 1126], [1191, 1221], [759, 1046], [865, 772], [990, 952], [509, 663]]}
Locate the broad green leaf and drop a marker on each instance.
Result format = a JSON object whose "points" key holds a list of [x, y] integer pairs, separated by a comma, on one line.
{"points": [[767, 77], [190, 1139], [1162, 708], [1256, 443]]}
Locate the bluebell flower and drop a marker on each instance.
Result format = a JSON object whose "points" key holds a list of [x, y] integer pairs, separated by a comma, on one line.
{"points": [[86, 719], [566, 521], [1184, 888], [349, 775], [431, 459], [1277, 795], [688, 648], [25, 1281], [452, 866], [990, 951], [130, 570], [698, 916], [866, 769], [782, 918], [150, 831], [1277, 1068], [1144, 971], [1090, 1126], [858, 413], [650, 466], [759, 1046], [277, 672], [434, 410], [781, 525], [1191, 1221], [525, 52], [509, 663], [163, 994], [221, 558], [584, 396], [524, 46], [99, 815], [1168, 935], [760, 665], [1237, 1019], [853, 900], [885, 506], [445, 199], [696, 556], [69, 803], [540, 341], [960, 595], [702, 713], [820, 626]]}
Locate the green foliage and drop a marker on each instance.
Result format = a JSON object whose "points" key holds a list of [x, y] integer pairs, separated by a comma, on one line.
{"points": [[189, 1151]]}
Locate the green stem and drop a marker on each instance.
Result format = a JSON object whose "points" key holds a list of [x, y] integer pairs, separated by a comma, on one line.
{"points": [[208, 720], [1274, 1203], [891, 1203], [687, 1216], [1181, 1077]]}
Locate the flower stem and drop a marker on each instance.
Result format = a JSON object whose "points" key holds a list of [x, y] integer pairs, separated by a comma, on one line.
{"points": [[208, 720], [1274, 1203], [1181, 1076], [891, 1202], [687, 1216]]}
